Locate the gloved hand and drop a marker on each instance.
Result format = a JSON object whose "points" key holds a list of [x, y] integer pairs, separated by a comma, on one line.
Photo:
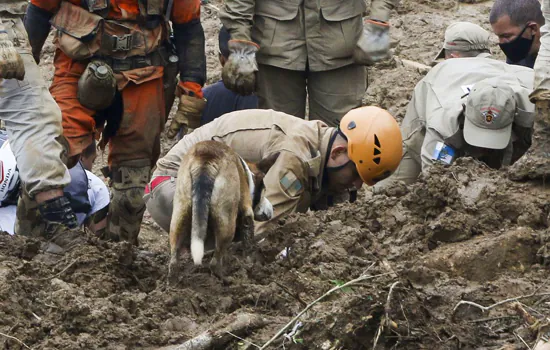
{"points": [[189, 111], [374, 44], [239, 72], [11, 63]]}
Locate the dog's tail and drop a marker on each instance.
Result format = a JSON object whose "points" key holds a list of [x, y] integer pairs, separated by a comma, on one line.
{"points": [[202, 178]]}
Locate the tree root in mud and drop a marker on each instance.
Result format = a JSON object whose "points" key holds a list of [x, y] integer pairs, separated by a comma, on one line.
{"points": [[487, 308], [221, 333], [347, 284]]}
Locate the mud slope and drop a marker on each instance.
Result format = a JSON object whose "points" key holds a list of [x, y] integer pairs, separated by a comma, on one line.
{"points": [[461, 233]]}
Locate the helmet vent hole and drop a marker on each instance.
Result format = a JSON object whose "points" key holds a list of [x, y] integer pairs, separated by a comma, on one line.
{"points": [[377, 160], [376, 141], [377, 152]]}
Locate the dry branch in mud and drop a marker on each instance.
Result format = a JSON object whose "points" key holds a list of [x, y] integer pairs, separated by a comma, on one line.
{"points": [[347, 284], [502, 302], [221, 333]]}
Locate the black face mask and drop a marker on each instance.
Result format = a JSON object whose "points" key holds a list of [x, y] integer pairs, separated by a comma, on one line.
{"points": [[519, 48]]}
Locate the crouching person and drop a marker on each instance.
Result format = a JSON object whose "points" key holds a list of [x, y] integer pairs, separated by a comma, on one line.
{"points": [[477, 107], [87, 194], [314, 160]]}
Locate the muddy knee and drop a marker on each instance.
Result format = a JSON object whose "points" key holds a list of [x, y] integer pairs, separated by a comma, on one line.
{"points": [[127, 204]]}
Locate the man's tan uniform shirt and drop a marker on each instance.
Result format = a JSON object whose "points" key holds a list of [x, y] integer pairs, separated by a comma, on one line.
{"points": [[294, 181], [434, 112], [293, 34]]}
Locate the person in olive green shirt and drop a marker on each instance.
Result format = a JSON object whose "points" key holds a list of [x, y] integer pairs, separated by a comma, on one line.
{"points": [[296, 50]]}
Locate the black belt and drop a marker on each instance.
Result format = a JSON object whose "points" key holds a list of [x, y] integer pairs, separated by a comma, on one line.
{"points": [[158, 58]]}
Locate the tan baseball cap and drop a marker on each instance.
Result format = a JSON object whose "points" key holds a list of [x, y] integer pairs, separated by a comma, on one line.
{"points": [[464, 36], [490, 111]]}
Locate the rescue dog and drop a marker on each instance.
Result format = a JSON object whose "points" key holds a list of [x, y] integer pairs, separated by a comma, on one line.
{"points": [[217, 195]]}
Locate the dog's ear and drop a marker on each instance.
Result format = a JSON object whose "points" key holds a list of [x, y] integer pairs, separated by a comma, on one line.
{"points": [[265, 164]]}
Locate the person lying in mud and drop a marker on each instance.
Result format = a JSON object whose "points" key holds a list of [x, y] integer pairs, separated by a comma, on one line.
{"points": [[315, 160], [87, 194], [470, 105]]}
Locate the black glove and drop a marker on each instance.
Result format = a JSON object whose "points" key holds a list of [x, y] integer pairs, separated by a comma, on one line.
{"points": [[58, 210]]}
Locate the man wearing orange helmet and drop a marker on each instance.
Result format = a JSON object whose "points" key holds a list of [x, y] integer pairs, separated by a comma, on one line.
{"points": [[315, 160]]}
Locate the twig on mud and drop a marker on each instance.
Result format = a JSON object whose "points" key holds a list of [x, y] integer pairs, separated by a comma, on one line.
{"points": [[544, 298], [294, 295], [388, 300], [451, 338], [436, 334], [455, 177], [406, 319], [480, 320], [386, 321], [246, 341], [378, 333], [533, 310], [347, 284], [14, 338], [368, 268], [542, 285], [538, 289], [519, 308], [388, 267], [487, 308], [523, 341], [60, 272]]}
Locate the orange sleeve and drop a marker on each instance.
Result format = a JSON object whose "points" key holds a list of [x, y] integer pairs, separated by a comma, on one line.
{"points": [[189, 86], [185, 11], [48, 5]]}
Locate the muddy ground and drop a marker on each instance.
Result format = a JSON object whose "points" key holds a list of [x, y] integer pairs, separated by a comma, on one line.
{"points": [[460, 233]]}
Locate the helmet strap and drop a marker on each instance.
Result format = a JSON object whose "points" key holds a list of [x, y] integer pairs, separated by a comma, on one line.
{"points": [[337, 168], [329, 151]]}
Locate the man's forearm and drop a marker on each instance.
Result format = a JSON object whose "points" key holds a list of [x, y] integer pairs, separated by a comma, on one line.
{"points": [[238, 16]]}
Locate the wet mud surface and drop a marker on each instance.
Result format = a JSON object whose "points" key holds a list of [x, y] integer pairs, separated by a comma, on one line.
{"points": [[461, 233]]}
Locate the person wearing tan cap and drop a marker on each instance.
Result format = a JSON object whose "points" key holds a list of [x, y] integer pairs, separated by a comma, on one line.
{"points": [[465, 39], [473, 106]]}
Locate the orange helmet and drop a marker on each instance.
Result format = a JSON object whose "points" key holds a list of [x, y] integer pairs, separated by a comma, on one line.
{"points": [[374, 142]]}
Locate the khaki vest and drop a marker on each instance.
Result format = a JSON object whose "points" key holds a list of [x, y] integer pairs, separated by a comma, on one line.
{"points": [[82, 34]]}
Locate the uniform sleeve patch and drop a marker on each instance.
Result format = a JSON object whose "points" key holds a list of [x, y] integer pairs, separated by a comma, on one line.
{"points": [[290, 184]]}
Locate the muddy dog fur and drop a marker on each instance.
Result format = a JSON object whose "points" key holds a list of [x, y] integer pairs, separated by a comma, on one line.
{"points": [[217, 195]]}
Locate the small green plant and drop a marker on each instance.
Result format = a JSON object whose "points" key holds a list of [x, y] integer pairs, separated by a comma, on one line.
{"points": [[341, 283]]}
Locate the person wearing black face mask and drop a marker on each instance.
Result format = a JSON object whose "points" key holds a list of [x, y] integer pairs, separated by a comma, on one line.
{"points": [[517, 24], [536, 163]]}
